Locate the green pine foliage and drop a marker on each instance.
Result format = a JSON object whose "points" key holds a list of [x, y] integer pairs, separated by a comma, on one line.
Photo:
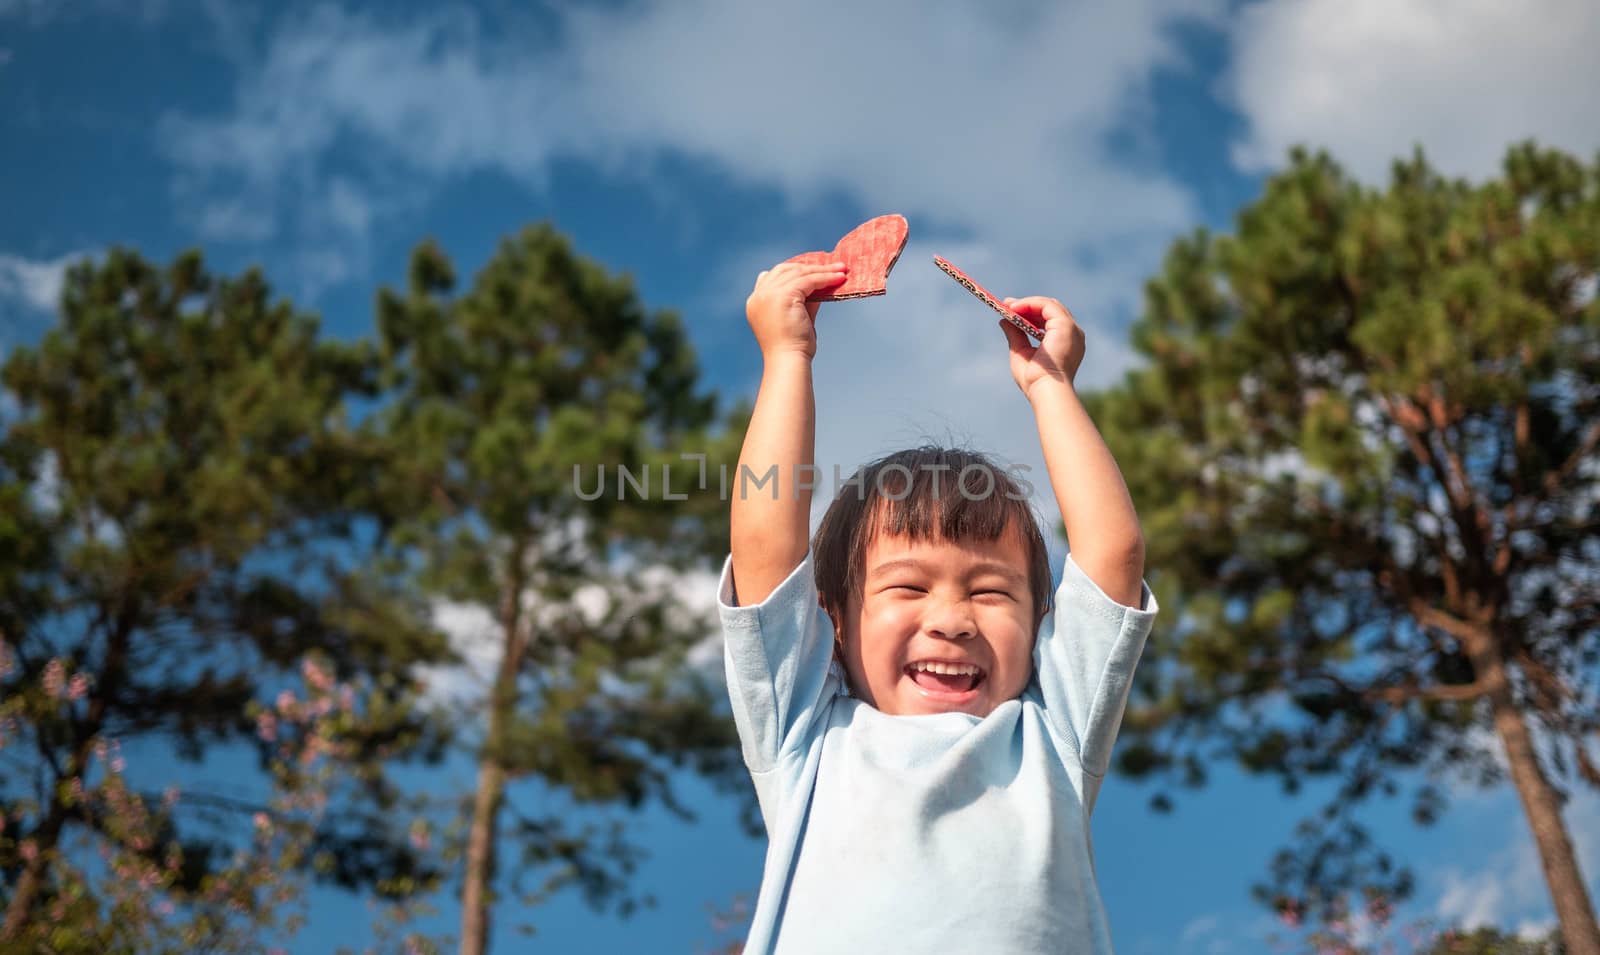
{"points": [[182, 504], [1488, 941], [509, 398], [1364, 450]]}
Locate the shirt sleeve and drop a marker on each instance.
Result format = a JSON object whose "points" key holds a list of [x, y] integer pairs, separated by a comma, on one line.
{"points": [[779, 656], [1084, 660]]}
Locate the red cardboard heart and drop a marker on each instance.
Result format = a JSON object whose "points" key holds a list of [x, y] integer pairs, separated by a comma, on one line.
{"points": [[870, 250], [988, 298]]}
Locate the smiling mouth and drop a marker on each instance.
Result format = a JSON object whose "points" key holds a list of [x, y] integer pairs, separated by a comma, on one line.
{"points": [[939, 677]]}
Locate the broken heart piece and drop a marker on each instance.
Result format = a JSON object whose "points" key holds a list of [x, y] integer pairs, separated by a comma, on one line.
{"points": [[870, 250], [988, 298]]}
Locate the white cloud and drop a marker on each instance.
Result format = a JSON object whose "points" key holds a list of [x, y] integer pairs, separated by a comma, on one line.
{"points": [[1508, 885], [993, 124], [1220, 933], [41, 12], [1507, 888], [1204, 934], [1369, 79], [949, 112], [1585, 291], [35, 10], [1202, 926], [229, 218], [477, 637], [35, 283]]}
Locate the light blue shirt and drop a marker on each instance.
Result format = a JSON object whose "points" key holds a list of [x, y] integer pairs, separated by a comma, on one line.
{"points": [[940, 833]]}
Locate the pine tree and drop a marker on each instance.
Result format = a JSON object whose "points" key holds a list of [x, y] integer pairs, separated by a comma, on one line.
{"points": [[182, 510], [1364, 452], [517, 401]]}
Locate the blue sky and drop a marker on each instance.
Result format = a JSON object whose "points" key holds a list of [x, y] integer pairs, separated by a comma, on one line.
{"points": [[1046, 148]]}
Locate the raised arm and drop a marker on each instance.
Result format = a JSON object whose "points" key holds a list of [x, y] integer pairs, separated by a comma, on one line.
{"points": [[771, 524], [1102, 526]]}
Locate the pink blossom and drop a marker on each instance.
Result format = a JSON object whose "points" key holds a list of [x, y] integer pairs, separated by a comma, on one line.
{"points": [[267, 726], [262, 821], [419, 836], [314, 675], [29, 850], [55, 679], [118, 764], [316, 747], [286, 702], [78, 687]]}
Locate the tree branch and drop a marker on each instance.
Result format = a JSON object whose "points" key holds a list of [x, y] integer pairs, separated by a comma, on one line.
{"points": [[1413, 425], [1465, 631], [1405, 694], [1553, 479]]}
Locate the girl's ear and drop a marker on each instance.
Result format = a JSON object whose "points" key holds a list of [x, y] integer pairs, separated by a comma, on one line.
{"points": [[833, 618]]}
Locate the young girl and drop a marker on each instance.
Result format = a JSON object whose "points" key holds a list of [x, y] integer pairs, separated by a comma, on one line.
{"points": [[925, 766]]}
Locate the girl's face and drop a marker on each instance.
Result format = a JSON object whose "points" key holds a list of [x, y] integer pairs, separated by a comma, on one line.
{"points": [[940, 626]]}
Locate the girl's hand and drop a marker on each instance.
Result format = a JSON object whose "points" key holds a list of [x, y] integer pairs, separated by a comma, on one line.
{"points": [[777, 309], [1057, 357]]}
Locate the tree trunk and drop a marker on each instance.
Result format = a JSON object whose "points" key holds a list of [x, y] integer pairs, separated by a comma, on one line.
{"points": [[481, 844], [32, 879], [486, 802], [48, 835], [1573, 908]]}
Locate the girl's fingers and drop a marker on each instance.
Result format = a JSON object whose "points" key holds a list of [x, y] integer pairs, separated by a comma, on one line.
{"points": [[822, 278], [809, 277], [1019, 342], [799, 268], [1049, 308]]}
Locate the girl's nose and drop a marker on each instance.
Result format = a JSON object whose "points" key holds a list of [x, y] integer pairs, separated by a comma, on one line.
{"points": [[952, 621]]}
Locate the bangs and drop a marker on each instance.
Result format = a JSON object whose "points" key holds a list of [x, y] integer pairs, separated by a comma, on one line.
{"points": [[930, 505], [925, 494]]}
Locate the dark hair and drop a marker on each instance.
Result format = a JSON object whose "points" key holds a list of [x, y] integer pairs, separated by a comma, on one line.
{"points": [[926, 493]]}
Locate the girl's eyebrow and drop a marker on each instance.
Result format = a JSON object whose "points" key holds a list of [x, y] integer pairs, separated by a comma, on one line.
{"points": [[984, 567], [905, 563]]}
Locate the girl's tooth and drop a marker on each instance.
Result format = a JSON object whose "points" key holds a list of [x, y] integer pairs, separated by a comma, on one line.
{"points": [[945, 669]]}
